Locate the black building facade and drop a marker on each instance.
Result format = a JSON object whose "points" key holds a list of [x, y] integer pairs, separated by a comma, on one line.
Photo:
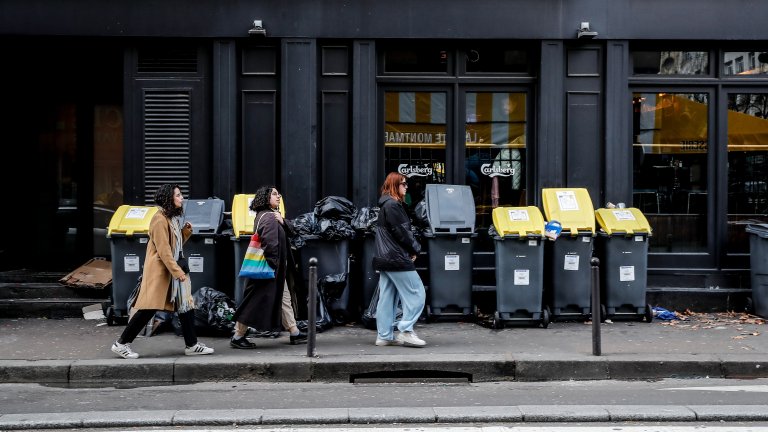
{"points": [[658, 104]]}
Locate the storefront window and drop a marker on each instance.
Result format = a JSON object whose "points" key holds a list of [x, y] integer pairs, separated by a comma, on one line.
{"points": [[670, 145], [495, 151], [670, 62], [745, 63], [414, 139], [747, 166]]}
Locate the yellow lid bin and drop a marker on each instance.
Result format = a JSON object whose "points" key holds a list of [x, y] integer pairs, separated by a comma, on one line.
{"points": [[521, 221], [242, 216], [129, 220], [572, 207], [626, 221]]}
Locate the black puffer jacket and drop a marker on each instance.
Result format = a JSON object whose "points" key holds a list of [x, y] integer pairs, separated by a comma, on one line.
{"points": [[395, 243]]}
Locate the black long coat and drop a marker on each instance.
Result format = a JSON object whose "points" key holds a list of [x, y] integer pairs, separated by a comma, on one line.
{"points": [[261, 307]]}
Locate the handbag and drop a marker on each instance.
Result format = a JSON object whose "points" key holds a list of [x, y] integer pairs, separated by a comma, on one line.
{"points": [[255, 265], [182, 262]]}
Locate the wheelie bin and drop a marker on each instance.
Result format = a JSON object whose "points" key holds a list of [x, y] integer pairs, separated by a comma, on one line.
{"points": [[451, 216], [128, 233], [758, 260], [242, 230], [332, 261], [567, 280], [622, 247], [519, 255], [203, 248]]}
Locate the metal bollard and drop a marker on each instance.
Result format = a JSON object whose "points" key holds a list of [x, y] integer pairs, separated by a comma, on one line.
{"points": [[312, 308], [596, 306]]}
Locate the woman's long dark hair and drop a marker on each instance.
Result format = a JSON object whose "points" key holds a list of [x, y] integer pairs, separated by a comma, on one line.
{"points": [[261, 199], [164, 199]]}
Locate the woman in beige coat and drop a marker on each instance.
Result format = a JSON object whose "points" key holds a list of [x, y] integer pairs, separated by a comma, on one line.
{"points": [[164, 284]]}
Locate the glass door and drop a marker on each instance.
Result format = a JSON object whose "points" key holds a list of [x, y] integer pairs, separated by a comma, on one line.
{"points": [[672, 175], [415, 136]]}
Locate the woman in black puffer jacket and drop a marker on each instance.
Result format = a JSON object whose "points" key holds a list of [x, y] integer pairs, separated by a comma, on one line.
{"points": [[396, 250]]}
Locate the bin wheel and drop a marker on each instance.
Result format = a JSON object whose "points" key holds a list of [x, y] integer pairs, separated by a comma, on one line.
{"points": [[749, 307], [603, 313], [648, 313], [545, 318], [498, 323], [111, 316]]}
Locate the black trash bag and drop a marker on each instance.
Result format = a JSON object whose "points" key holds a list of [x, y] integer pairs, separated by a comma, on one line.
{"points": [[492, 231], [304, 225], [213, 312], [332, 286], [420, 217], [365, 219], [330, 229], [335, 207], [323, 320], [166, 321]]}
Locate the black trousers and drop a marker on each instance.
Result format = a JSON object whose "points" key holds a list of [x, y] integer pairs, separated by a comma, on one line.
{"points": [[142, 317]]}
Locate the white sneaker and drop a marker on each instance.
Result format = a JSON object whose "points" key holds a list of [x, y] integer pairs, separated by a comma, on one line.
{"points": [[388, 342], [410, 339], [124, 350], [198, 349]]}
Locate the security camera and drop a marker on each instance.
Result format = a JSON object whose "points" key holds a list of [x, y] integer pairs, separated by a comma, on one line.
{"points": [[585, 32]]}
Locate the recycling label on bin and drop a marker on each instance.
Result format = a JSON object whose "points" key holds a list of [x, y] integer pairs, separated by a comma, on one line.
{"points": [[518, 215], [196, 264], [136, 213], [623, 215], [522, 277], [626, 273], [451, 262], [567, 200], [571, 262], [131, 264]]}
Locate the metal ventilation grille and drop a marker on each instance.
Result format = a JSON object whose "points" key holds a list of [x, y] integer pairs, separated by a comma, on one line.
{"points": [[167, 139], [167, 60]]}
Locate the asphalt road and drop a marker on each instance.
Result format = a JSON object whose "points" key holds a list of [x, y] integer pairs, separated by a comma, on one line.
{"points": [[36, 398]]}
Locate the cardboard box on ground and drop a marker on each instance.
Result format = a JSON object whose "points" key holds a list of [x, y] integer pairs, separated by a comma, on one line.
{"points": [[96, 273]]}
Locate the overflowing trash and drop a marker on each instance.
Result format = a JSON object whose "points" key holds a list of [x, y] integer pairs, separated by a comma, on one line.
{"points": [[213, 312]]}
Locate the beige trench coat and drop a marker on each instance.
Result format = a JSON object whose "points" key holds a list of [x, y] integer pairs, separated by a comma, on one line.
{"points": [[159, 265]]}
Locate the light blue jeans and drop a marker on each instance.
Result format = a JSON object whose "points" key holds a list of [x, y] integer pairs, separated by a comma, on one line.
{"points": [[408, 287]]}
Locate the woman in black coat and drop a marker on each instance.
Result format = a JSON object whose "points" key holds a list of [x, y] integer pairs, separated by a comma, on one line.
{"points": [[261, 307]]}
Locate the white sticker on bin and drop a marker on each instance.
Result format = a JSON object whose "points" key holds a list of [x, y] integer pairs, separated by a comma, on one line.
{"points": [[518, 215], [571, 263], [131, 264], [533, 242], [625, 215], [567, 200], [639, 238], [196, 264], [136, 213], [452, 262], [522, 277], [626, 273], [465, 239]]}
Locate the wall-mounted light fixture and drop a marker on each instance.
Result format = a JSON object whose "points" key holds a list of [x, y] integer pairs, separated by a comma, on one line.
{"points": [[258, 29], [585, 32]]}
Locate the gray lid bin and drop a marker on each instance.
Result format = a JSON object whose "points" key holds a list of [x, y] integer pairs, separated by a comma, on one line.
{"points": [[758, 260], [202, 249], [451, 215]]}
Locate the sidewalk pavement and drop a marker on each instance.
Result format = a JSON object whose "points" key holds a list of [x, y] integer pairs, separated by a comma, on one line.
{"points": [[76, 351]]}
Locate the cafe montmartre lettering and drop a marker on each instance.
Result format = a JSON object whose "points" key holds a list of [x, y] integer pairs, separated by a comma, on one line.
{"points": [[414, 137], [424, 137]]}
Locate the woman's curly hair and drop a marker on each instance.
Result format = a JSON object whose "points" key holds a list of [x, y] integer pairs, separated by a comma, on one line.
{"points": [[164, 199], [261, 199]]}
